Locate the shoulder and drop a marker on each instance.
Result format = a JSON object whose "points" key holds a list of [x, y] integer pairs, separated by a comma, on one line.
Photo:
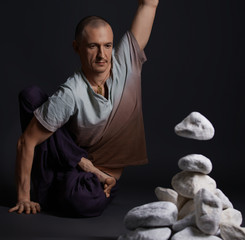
{"points": [[128, 49], [74, 81], [74, 84]]}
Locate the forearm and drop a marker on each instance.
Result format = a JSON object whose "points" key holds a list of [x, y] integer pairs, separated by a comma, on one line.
{"points": [[24, 160], [142, 24], [152, 3], [87, 166]]}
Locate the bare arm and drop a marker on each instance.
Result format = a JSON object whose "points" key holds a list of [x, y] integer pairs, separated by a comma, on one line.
{"points": [[108, 181], [143, 21], [34, 134]]}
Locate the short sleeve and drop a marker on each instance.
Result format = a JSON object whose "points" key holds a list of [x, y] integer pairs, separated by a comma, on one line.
{"points": [[57, 110], [128, 53], [139, 55]]}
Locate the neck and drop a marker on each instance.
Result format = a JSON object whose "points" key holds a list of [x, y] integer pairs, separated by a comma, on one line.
{"points": [[97, 79]]}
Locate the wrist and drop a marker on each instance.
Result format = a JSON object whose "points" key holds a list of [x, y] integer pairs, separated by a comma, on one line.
{"points": [[23, 193]]}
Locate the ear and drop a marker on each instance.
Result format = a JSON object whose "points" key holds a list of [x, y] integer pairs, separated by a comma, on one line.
{"points": [[75, 46]]}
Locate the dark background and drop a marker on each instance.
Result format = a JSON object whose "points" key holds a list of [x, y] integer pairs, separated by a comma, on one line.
{"points": [[196, 59]]}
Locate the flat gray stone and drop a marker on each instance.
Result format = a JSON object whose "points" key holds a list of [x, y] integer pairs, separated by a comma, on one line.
{"points": [[188, 184], [231, 232], [195, 163], [147, 234], [192, 233], [195, 126], [189, 207], [166, 194], [231, 216], [155, 214], [224, 199], [208, 211], [189, 220]]}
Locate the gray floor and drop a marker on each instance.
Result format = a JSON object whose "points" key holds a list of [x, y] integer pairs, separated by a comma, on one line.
{"points": [[47, 226], [109, 226]]}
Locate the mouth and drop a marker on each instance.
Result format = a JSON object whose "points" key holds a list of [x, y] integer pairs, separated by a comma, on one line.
{"points": [[100, 63]]}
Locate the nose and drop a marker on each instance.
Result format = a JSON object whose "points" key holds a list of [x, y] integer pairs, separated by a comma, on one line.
{"points": [[101, 52]]}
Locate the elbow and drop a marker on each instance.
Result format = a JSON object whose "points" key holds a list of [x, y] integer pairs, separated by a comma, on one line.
{"points": [[24, 143], [20, 143]]}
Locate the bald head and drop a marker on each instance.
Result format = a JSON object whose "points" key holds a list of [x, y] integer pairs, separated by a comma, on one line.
{"points": [[90, 21]]}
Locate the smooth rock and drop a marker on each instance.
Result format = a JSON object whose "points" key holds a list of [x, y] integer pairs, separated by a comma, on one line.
{"points": [[188, 184], [195, 163], [147, 234], [231, 216], [195, 126], [208, 211], [166, 194], [191, 233], [189, 220], [155, 214], [231, 232], [224, 199], [181, 201], [188, 208]]}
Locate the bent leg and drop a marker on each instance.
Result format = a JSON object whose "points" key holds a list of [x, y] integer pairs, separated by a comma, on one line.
{"points": [[30, 99], [81, 194]]}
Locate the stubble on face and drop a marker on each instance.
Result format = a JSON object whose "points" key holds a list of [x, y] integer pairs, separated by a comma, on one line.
{"points": [[95, 50]]}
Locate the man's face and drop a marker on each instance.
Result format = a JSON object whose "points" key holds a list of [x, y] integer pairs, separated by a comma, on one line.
{"points": [[95, 49]]}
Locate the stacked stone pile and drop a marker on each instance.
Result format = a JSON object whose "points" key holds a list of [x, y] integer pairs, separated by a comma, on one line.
{"points": [[195, 208]]}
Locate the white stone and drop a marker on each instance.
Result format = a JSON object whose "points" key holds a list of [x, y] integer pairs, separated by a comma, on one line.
{"points": [[155, 214], [191, 233], [231, 216], [195, 126], [231, 232], [188, 184], [189, 220], [147, 234], [195, 163], [166, 194], [208, 211], [224, 199], [188, 208]]}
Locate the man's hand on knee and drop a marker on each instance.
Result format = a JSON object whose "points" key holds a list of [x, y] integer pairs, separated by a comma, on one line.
{"points": [[27, 207], [110, 182]]}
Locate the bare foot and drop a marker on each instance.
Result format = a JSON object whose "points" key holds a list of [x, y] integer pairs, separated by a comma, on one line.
{"points": [[110, 182]]}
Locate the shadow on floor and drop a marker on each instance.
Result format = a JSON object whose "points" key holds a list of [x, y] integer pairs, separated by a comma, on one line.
{"points": [[7, 196]]}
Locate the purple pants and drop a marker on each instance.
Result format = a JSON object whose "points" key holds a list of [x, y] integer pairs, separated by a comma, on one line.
{"points": [[58, 183]]}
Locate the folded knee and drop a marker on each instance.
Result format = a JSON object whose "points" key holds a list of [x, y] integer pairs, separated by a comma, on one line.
{"points": [[33, 95]]}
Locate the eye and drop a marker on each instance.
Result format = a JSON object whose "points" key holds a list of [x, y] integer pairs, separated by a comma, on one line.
{"points": [[109, 45], [92, 46]]}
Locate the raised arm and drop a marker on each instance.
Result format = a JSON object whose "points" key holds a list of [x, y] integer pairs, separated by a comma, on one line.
{"points": [[143, 21], [34, 134]]}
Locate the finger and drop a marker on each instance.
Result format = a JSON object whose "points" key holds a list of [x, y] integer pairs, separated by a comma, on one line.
{"points": [[21, 208], [28, 210], [13, 209], [33, 209], [107, 192], [38, 207]]}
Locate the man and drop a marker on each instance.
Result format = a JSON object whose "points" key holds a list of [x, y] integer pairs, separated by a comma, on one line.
{"points": [[83, 136]]}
